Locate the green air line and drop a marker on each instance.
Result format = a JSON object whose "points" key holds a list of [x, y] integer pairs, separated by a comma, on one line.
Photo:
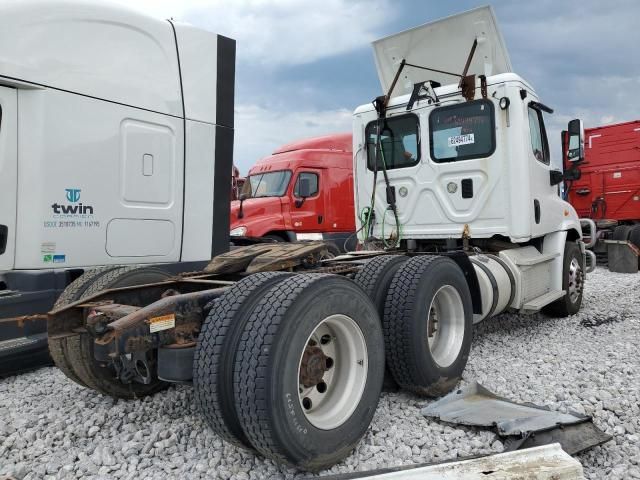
{"points": [[395, 210]]}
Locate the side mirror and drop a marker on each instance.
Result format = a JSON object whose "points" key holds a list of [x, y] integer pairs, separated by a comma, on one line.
{"points": [[303, 191], [572, 174], [575, 148], [242, 198], [555, 177]]}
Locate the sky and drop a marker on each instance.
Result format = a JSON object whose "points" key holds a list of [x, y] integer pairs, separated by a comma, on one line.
{"points": [[303, 66]]}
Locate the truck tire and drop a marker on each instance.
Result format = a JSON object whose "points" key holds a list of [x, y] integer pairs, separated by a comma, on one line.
{"points": [[74, 292], [428, 321], [376, 276], [80, 347], [215, 354], [622, 232], [572, 283], [375, 279], [308, 370], [634, 236]]}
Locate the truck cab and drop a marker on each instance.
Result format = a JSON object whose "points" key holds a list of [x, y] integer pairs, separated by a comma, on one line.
{"points": [[303, 191], [455, 158], [116, 142]]}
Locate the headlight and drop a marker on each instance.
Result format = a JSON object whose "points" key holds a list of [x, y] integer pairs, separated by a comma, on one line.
{"points": [[238, 232]]}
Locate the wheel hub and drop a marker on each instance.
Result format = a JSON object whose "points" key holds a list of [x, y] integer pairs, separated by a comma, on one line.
{"points": [[312, 366], [445, 325], [432, 327], [576, 280], [332, 371]]}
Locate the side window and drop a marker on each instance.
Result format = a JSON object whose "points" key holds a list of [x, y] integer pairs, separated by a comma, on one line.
{"points": [[399, 142], [462, 132], [538, 136], [313, 183]]}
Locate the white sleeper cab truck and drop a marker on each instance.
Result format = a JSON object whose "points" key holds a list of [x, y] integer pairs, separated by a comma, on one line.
{"points": [[460, 217], [116, 142]]}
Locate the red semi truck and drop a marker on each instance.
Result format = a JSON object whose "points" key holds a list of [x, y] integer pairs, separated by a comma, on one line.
{"points": [[303, 191], [608, 187]]}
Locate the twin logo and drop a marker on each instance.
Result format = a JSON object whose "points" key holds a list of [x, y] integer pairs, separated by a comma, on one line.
{"points": [[73, 196]]}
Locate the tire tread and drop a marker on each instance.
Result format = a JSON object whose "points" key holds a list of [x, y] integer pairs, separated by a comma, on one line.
{"points": [[210, 351]]}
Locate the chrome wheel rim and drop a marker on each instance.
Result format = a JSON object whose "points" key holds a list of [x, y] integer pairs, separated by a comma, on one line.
{"points": [[445, 325], [332, 372], [575, 280]]}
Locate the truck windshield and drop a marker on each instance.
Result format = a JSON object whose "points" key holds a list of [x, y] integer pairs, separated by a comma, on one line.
{"points": [[462, 132], [272, 184]]}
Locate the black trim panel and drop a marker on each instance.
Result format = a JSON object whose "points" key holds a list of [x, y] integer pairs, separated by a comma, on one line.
{"points": [[223, 165], [225, 81]]}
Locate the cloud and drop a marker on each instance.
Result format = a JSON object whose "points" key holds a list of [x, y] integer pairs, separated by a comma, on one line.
{"points": [[281, 32], [259, 131]]}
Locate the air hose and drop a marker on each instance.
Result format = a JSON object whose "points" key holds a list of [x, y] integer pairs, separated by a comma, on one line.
{"points": [[367, 215]]}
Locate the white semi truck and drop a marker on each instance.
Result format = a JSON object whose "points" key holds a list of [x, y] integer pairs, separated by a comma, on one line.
{"points": [[458, 209], [116, 143]]}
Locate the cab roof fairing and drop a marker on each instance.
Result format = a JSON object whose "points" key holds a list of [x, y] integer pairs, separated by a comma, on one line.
{"points": [[100, 50]]}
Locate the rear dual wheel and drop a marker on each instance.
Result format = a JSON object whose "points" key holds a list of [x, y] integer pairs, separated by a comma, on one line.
{"points": [[58, 345], [74, 354], [428, 318], [214, 357], [375, 278], [425, 305], [307, 361]]}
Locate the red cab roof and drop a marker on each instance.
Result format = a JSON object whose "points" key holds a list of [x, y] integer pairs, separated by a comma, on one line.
{"points": [[339, 141], [328, 151]]}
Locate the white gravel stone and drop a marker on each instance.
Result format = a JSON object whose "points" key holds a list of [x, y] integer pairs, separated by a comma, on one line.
{"points": [[589, 363]]}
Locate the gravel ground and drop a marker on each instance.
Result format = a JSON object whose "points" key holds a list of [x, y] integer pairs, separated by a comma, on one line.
{"points": [[51, 428]]}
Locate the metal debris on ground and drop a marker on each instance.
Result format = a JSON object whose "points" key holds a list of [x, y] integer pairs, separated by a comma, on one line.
{"points": [[548, 462], [523, 425]]}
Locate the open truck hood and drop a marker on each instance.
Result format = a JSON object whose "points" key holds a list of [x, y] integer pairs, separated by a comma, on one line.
{"points": [[443, 45]]}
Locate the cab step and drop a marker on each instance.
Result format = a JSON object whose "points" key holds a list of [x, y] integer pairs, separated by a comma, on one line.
{"points": [[23, 353], [528, 261], [12, 345], [536, 304]]}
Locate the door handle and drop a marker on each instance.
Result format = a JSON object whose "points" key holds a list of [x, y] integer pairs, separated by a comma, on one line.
{"points": [[536, 210], [320, 219]]}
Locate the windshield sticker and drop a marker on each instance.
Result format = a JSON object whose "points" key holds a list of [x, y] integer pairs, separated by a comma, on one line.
{"points": [[457, 140]]}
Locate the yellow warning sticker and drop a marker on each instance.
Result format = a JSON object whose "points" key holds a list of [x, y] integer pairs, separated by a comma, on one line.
{"points": [[165, 322]]}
